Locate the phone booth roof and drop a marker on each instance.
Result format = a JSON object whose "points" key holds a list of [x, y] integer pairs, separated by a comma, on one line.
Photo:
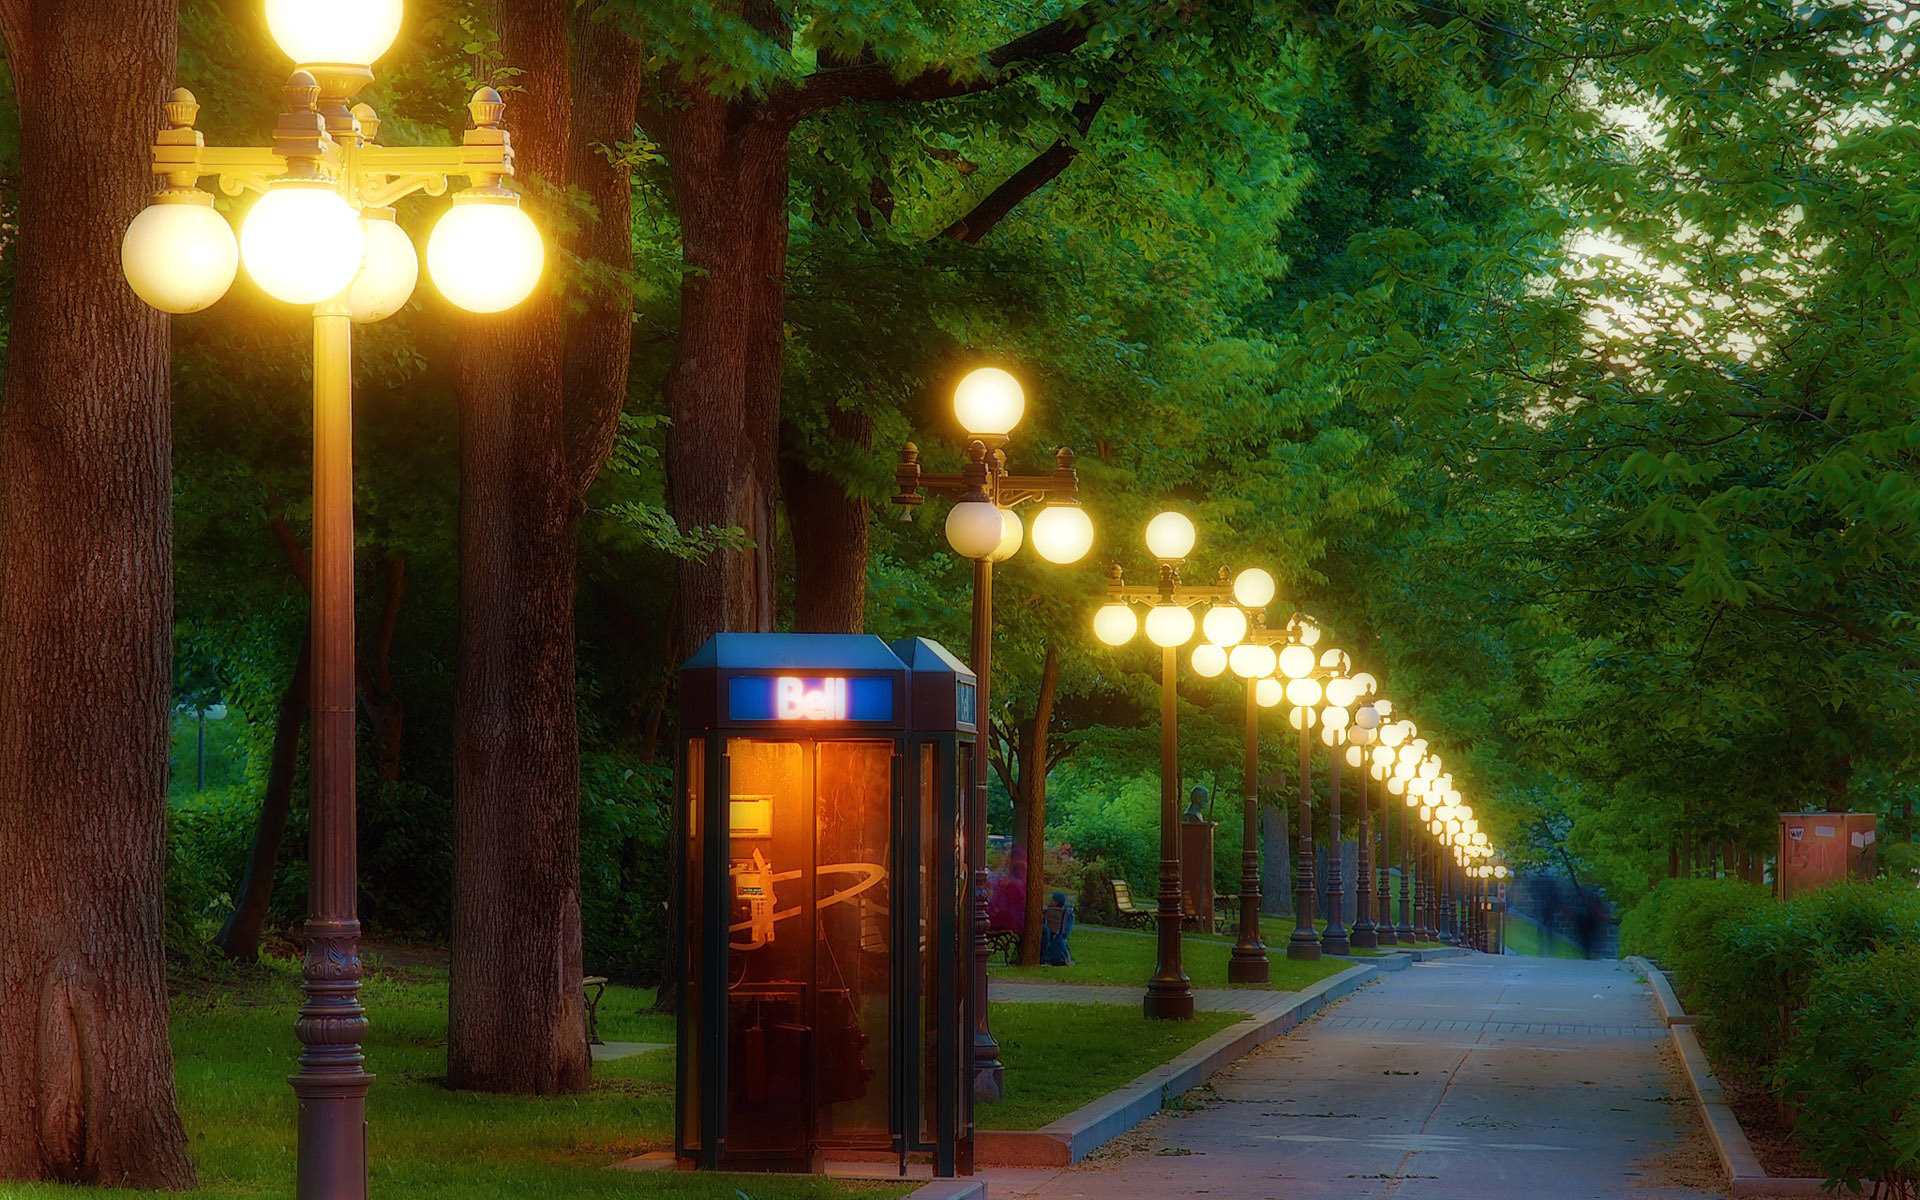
{"points": [[839, 679]]}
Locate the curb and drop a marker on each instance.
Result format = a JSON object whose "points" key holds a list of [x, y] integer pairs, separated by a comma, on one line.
{"points": [[974, 1188], [1663, 997], [1745, 1176], [1066, 1141], [1440, 952]]}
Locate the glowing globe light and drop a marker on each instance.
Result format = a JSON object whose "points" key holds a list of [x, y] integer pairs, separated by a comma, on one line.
{"points": [[1303, 692], [1254, 588], [1062, 533], [1012, 533], [1209, 660], [1383, 757], [1335, 659], [1303, 718], [975, 528], [485, 254], [335, 32], [1269, 692], [1224, 625], [1396, 788], [180, 255], [1340, 691], [1305, 631], [389, 274], [1250, 661], [1356, 757], [989, 402], [1394, 734], [1368, 717], [1335, 715], [301, 242], [1115, 624], [1296, 661], [1170, 537], [1367, 684], [1169, 625]]}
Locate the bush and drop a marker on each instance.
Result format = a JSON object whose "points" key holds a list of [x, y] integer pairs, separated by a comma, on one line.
{"points": [[1853, 1072], [1672, 916], [1096, 895], [208, 838]]}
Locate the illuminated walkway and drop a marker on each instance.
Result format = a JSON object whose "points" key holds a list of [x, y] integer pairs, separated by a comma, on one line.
{"points": [[1465, 1079]]}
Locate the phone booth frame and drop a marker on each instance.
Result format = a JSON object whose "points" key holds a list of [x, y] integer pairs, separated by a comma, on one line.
{"points": [[753, 695]]}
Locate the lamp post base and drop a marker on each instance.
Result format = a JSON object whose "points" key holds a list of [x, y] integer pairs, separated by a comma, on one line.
{"points": [[1168, 1001], [1303, 946], [989, 1084], [1248, 968], [1365, 936]]}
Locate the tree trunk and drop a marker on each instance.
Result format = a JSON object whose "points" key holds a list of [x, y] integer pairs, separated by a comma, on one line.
{"points": [[540, 399], [1034, 759], [830, 535], [729, 164], [240, 937], [86, 615]]}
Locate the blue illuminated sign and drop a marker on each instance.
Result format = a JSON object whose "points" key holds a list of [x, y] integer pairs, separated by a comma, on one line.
{"points": [[809, 698]]}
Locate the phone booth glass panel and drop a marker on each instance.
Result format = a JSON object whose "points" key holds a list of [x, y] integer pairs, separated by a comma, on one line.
{"points": [[822, 887]]}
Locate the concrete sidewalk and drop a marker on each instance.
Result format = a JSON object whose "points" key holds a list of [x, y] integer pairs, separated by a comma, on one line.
{"points": [[1467, 1079]]}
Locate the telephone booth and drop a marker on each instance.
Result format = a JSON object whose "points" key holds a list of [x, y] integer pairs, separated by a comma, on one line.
{"points": [[821, 802]]}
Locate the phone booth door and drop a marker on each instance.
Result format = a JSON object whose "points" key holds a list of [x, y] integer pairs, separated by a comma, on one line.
{"points": [[810, 945]]}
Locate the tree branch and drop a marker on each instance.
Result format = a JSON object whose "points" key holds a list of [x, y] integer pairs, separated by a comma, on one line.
{"points": [[1029, 179], [876, 82]]}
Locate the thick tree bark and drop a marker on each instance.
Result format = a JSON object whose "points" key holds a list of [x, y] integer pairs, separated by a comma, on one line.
{"points": [[86, 614], [830, 537], [240, 937], [540, 397], [1034, 762], [730, 167]]}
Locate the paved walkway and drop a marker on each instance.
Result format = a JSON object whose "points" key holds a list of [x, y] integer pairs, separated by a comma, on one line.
{"points": [[1027, 991], [1464, 1079]]}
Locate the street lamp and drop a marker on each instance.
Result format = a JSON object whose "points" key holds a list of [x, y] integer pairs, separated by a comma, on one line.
{"points": [[1297, 663], [321, 234], [1363, 732], [1254, 660], [983, 526], [1340, 692], [1169, 625]]}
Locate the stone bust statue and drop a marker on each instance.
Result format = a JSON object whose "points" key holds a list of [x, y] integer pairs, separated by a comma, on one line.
{"points": [[1197, 801]]}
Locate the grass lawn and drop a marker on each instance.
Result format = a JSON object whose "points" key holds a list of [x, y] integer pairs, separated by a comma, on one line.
{"points": [[1062, 1056], [1119, 956], [1525, 937], [234, 1048]]}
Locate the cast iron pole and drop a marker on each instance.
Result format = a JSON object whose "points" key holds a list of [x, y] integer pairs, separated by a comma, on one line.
{"points": [[1248, 963], [1169, 993], [989, 1077], [1334, 939], [1383, 900], [1366, 934], [331, 1086], [1304, 945]]}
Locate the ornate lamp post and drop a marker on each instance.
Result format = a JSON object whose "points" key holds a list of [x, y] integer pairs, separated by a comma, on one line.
{"points": [[1335, 717], [1379, 763], [982, 526], [1254, 661], [322, 235], [1169, 625], [1363, 733], [1297, 664]]}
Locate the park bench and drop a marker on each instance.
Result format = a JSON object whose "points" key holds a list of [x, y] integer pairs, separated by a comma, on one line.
{"points": [[1005, 945], [593, 988], [1130, 913]]}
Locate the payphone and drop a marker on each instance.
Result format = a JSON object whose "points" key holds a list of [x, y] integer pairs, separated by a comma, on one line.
{"points": [[827, 978]]}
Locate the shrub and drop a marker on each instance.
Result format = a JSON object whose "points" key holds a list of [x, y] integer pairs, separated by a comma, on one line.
{"points": [[1853, 1072], [1672, 916], [1755, 975], [1096, 894], [208, 837]]}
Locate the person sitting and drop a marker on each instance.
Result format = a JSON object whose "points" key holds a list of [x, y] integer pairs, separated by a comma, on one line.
{"points": [[1055, 926]]}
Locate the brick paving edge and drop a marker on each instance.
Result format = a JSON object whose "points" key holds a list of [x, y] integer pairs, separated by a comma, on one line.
{"points": [[1066, 1141]]}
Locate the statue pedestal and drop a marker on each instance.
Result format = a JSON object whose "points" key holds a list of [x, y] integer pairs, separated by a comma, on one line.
{"points": [[1196, 871]]}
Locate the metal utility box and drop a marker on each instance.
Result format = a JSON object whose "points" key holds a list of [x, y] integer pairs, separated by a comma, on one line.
{"points": [[822, 780], [1817, 849]]}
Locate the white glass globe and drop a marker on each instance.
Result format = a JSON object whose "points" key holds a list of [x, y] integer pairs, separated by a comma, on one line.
{"points": [[1296, 661], [1368, 717], [1430, 769], [989, 402], [1268, 692], [1426, 814], [1367, 684], [1356, 756], [1394, 734], [1417, 785], [1303, 692], [1333, 736], [1363, 737], [1396, 788], [975, 528], [1382, 758], [390, 272], [180, 255], [1224, 625], [1169, 625], [1306, 631], [1209, 660], [1466, 810], [485, 254], [1336, 716], [1303, 718], [1115, 624], [1251, 661], [1253, 588], [1385, 706], [1170, 536], [1335, 659], [302, 242], [340, 32], [1340, 691], [1012, 533], [1062, 533]]}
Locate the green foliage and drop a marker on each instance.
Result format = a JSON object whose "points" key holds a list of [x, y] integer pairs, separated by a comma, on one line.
{"points": [[207, 841], [1852, 1075]]}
